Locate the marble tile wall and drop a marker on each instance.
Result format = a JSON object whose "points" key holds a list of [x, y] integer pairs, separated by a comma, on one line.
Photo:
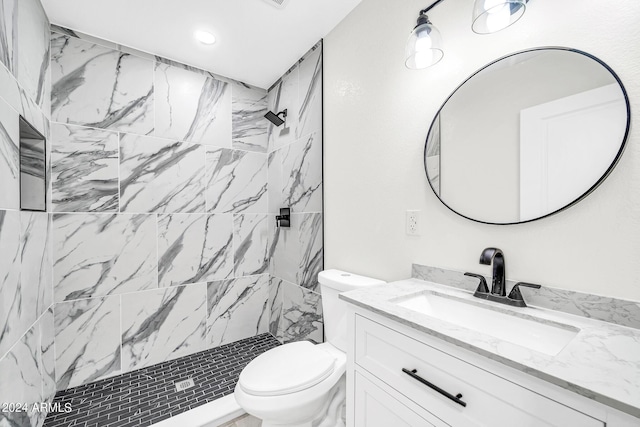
{"points": [[163, 233], [27, 364], [295, 181], [164, 181]]}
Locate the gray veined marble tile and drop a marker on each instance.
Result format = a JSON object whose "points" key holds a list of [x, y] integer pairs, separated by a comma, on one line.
{"points": [[9, 157], [102, 42], [284, 96], [251, 244], [26, 282], [99, 87], [162, 176], [301, 315], [194, 248], [33, 51], [311, 254], [8, 33], [275, 304], [18, 99], [87, 340], [192, 106], [36, 274], [20, 380], [298, 251], [57, 29], [191, 68], [85, 169], [14, 314], [274, 182], [310, 93], [302, 174], [102, 254], [162, 324], [9, 88], [286, 250], [46, 325], [249, 124], [237, 309], [236, 181]]}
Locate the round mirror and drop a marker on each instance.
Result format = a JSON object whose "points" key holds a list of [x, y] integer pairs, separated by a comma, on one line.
{"points": [[527, 136]]}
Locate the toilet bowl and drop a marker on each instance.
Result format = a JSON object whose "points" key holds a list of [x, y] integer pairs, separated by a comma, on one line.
{"points": [[299, 383], [289, 387]]}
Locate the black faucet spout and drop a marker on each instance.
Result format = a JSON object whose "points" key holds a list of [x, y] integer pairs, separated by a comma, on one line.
{"points": [[495, 256]]}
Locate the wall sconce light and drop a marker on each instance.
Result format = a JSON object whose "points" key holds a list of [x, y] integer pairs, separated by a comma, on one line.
{"points": [[490, 16], [424, 47]]}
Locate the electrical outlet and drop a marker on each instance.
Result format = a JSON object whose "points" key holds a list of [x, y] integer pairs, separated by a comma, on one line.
{"points": [[413, 223]]}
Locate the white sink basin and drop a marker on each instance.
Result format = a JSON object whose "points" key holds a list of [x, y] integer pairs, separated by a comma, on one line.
{"points": [[547, 338]]}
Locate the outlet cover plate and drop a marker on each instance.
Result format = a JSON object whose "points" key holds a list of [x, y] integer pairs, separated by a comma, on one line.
{"points": [[413, 223]]}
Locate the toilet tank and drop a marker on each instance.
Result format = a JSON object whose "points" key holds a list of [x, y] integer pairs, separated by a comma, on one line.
{"points": [[332, 283]]}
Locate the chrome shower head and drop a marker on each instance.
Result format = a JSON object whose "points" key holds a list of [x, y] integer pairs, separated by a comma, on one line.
{"points": [[275, 118]]}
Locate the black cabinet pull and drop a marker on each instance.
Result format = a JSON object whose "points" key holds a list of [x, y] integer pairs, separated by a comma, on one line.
{"points": [[417, 377]]}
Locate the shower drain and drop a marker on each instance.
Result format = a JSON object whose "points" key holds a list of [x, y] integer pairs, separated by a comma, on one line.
{"points": [[184, 384]]}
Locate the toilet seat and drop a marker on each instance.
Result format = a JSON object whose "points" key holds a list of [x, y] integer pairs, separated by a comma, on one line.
{"points": [[287, 369]]}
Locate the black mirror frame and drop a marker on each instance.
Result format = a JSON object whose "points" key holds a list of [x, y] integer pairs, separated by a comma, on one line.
{"points": [[586, 193]]}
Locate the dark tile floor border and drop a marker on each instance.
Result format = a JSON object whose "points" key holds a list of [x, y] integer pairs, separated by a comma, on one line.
{"points": [[146, 396]]}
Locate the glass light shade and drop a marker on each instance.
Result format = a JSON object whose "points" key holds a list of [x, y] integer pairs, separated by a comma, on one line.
{"points": [[490, 16], [424, 47]]}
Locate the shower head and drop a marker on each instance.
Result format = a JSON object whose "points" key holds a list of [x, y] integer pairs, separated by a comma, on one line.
{"points": [[275, 118]]}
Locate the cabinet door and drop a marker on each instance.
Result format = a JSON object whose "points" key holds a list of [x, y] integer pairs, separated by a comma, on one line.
{"points": [[375, 408], [486, 400]]}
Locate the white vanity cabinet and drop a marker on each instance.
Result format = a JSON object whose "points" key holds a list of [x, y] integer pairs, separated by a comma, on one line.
{"points": [[444, 385]]}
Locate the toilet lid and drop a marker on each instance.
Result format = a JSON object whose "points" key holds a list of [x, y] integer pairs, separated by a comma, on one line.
{"points": [[286, 369]]}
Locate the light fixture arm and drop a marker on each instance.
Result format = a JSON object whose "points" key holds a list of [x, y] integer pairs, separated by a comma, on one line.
{"points": [[437, 2], [431, 6]]}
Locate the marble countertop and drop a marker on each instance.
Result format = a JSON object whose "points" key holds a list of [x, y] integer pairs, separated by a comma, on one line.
{"points": [[602, 362]]}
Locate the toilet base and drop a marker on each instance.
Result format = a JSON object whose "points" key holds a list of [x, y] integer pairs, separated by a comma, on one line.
{"points": [[332, 414]]}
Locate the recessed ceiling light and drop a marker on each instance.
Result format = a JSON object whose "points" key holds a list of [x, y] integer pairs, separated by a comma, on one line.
{"points": [[205, 37]]}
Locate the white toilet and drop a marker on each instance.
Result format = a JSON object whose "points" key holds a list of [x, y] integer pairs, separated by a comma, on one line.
{"points": [[294, 384]]}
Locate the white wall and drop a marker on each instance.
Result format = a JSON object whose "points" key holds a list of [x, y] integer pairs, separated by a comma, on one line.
{"points": [[377, 114]]}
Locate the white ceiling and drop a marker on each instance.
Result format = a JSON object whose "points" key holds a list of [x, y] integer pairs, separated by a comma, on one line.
{"points": [[257, 42]]}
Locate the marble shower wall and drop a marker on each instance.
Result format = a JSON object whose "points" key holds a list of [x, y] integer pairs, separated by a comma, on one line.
{"points": [[27, 361], [295, 181], [161, 231]]}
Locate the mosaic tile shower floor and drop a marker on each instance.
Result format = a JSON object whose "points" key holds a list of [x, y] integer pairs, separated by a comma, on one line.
{"points": [[147, 396]]}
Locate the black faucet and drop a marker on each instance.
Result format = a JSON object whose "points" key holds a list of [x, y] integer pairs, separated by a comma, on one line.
{"points": [[498, 288], [496, 256]]}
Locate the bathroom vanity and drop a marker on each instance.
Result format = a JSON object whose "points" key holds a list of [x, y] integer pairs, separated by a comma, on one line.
{"points": [[424, 354]]}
